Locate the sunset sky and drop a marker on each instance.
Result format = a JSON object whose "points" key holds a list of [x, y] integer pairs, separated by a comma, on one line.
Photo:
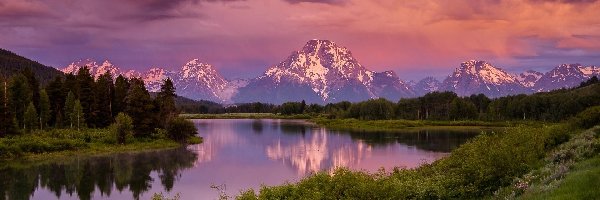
{"points": [[416, 38]]}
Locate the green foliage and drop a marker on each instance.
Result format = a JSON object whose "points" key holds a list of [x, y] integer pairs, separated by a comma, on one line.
{"points": [[122, 129], [539, 183], [160, 196], [180, 129], [290, 108], [19, 96], [77, 116], [139, 108], [85, 83], [104, 94], [474, 170], [30, 117], [462, 109], [121, 89], [165, 99], [588, 118], [12, 64], [44, 109], [374, 109], [69, 107], [56, 97], [7, 119]]}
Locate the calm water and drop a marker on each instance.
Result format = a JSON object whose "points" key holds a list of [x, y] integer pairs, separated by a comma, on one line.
{"points": [[235, 155]]}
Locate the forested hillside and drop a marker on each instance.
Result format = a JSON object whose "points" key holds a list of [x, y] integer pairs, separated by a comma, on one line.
{"points": [[11, 64]]}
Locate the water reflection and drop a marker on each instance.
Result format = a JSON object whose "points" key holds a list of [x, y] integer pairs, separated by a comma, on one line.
{"points": [[82, 176], [240, 154]]}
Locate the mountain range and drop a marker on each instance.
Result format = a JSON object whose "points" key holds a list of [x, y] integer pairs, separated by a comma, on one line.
{"points": [[324, 72]]}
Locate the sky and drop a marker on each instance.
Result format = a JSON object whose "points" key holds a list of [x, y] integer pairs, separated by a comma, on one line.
{"points": [[242, 38]]}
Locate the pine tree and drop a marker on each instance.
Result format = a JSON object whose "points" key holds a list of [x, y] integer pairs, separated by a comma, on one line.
{"points": [[70, 85], [86, 95], [44, 109], [78, 115], [19, 97], [166, 102], [57, 101], [104, 92], [121, 89], [69, 107], [30, 117], [34, 86], [139, 104], [7, 123]]}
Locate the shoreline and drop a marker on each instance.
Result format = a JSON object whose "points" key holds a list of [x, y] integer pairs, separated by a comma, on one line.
{"points": [[351, 124], [59, 144]]}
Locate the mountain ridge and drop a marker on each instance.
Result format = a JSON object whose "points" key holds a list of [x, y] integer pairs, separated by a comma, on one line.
{"points": [[323, 72]]}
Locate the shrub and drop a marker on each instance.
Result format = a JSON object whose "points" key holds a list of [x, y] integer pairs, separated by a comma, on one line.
{"points": [[587, 118], [180, 129], [122, 129]]}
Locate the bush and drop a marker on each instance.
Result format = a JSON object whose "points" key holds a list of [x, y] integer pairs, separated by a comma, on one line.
{"points": [[587, 118], [180, 129], [122, 129]]}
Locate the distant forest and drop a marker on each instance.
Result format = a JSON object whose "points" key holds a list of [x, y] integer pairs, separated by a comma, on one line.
{"points": [[546, 106]]}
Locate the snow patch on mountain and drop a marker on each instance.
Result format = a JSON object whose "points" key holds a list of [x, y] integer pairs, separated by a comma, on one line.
{"points": [[529, 78], [473, 77], [96, 69]]}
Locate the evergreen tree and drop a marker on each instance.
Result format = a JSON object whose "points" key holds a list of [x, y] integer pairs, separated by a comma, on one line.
{"points": [[121, 90], [302, 106], [86, 96], [69, 107], [462, 109], [138, 104], [34, 86], [44, 109], [30, 117], [70, 85], [7, 123], [104, 92], [19, 97], [57, 101], [78, 115], [166, 102]]}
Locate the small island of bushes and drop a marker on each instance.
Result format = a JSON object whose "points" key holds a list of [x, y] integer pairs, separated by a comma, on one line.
{"points": [[78, 114]]}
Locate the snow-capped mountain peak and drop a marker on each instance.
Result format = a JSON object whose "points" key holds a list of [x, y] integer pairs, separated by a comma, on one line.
{"points": [[485, 71], [566, 75], [325, 72], [529, 78], [197, 79], [95, 69], [474, 77]]}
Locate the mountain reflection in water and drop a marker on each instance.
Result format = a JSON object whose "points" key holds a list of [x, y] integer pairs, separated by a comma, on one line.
{"points": [[237, 153]]}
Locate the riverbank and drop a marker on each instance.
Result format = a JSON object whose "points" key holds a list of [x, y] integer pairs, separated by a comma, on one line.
{"points": [[390, 125], [364, 125], [475, 170], [245, 116], [63, 143]]}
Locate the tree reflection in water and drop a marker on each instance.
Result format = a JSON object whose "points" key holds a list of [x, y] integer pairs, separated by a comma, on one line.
{"points": [[83, 175]]}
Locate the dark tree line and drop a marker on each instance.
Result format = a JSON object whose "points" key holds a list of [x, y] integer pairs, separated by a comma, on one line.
{"points": [[78, 101], [547, 106]]}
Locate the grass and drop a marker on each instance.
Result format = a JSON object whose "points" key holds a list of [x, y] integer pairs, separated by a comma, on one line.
{"points": [[571, 160], [581, 183], [62, 143]]}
